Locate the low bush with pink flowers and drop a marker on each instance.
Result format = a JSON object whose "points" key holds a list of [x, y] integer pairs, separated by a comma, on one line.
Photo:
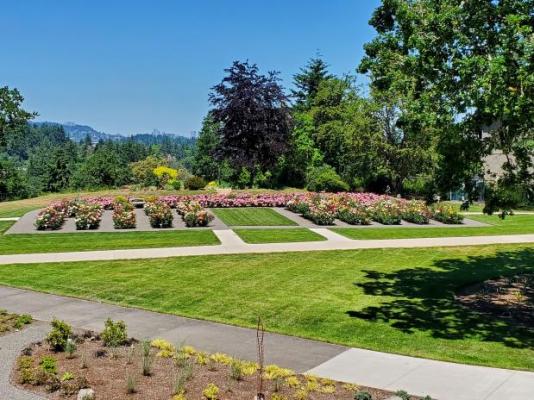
{"points": [[159, 214], [193, 213], [50, 219], [88, 216], [123, 216]]}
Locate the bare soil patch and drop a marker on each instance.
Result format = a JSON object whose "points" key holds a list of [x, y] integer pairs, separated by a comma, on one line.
{"points": [[511, 298]]}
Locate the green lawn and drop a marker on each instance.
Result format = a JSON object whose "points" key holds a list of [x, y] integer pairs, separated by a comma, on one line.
{"points": [[61, 242], [393, 300], [278, 235], [515, 225], [252, 217]]}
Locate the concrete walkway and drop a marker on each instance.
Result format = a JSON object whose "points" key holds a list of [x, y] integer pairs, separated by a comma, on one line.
{"points": [[441, 380], [10, 347], [232, 244]]}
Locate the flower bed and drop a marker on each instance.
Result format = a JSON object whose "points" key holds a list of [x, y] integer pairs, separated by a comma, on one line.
{"points": [[415, 211], [193, 213], [354, 215], [159, 214], [447, 214], [159, 370], [88, 216], [387, 212], [49, 219]]}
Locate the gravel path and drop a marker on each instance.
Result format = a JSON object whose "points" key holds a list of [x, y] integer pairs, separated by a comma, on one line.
{"points": [[10, 347]]}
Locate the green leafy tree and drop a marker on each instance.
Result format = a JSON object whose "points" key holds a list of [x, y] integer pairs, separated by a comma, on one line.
{"points": [[460, 76], [205, 164], [12, 115], [307, 82]]}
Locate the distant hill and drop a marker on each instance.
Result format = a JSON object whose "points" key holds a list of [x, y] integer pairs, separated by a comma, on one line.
{"points": [[79, 132]]}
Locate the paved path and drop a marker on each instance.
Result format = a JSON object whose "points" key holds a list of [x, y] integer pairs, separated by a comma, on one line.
{"points": [[441, 380], [10, 347], [232, 244]]}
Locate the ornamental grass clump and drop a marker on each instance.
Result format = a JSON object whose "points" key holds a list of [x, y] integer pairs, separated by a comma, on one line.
{"points": [[447, 214], [415, 211], [88, 216], [49, 219]]}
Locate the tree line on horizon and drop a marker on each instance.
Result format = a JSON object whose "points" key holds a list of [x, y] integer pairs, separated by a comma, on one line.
{"points": [[450, 83]]}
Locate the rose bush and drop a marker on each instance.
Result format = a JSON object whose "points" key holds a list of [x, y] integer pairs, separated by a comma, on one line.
{"points": [[159, 214], [50, 219], [88, 216], [123, 217], [447, 214], [386, 212], [415, 211]]}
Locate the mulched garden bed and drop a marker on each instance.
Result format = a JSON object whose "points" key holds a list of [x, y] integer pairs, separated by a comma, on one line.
{"points": [[511, 298], [108, 370]]}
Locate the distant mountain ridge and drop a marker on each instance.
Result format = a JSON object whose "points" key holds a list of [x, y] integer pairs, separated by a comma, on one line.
{"points": [[78, 132]]}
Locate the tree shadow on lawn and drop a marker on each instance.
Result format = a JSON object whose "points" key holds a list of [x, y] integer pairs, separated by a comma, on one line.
{"points": [[427, 298]]}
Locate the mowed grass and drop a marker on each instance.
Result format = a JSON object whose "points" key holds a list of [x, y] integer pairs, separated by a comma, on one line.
{"points": [[62, 242], [514, 225], [256, 236], [393, 300], [252, 217]]}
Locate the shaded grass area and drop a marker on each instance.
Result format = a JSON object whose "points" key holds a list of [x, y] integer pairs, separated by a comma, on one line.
{"points": [[515, 225], [393, 300], [252, 217], [62, 242], [255, 236]]}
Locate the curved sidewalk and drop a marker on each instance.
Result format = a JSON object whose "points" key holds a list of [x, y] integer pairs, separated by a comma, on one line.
{"points": [[441, 380], [232, 244]]}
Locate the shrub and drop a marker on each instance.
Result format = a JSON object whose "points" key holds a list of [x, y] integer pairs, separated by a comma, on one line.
{"points": [[114, 333], [23, 319], [447, 214], [159, 214], [354, 215], [211, 392], [321, 212], [49, 219], [67, 376], [363, 396], [70, 348], [166, 349], [415, 211], [58, 336], [123, 218], [402, 394], [325, 179], [195, 183], [88, 217], [48, 364], [387, 212], [25, 367]]}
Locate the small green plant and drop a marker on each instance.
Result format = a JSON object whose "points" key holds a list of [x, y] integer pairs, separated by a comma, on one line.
{"points": [[67, 376], [48, 364], [114, 333], [70, 348], [147, 358], [183, 376], [131, 387], [403, 394], [25, 367], [427, 398], [236, 370], [23, 319], [58, 336], [363, 396], [130, 353], [211, 392]]}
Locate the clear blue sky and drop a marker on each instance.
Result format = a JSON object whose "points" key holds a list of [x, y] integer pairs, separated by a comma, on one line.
{"points": [[132, 66]]}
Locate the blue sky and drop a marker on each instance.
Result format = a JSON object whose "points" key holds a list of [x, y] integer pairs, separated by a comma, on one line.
{"points": [[132, 66]]}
